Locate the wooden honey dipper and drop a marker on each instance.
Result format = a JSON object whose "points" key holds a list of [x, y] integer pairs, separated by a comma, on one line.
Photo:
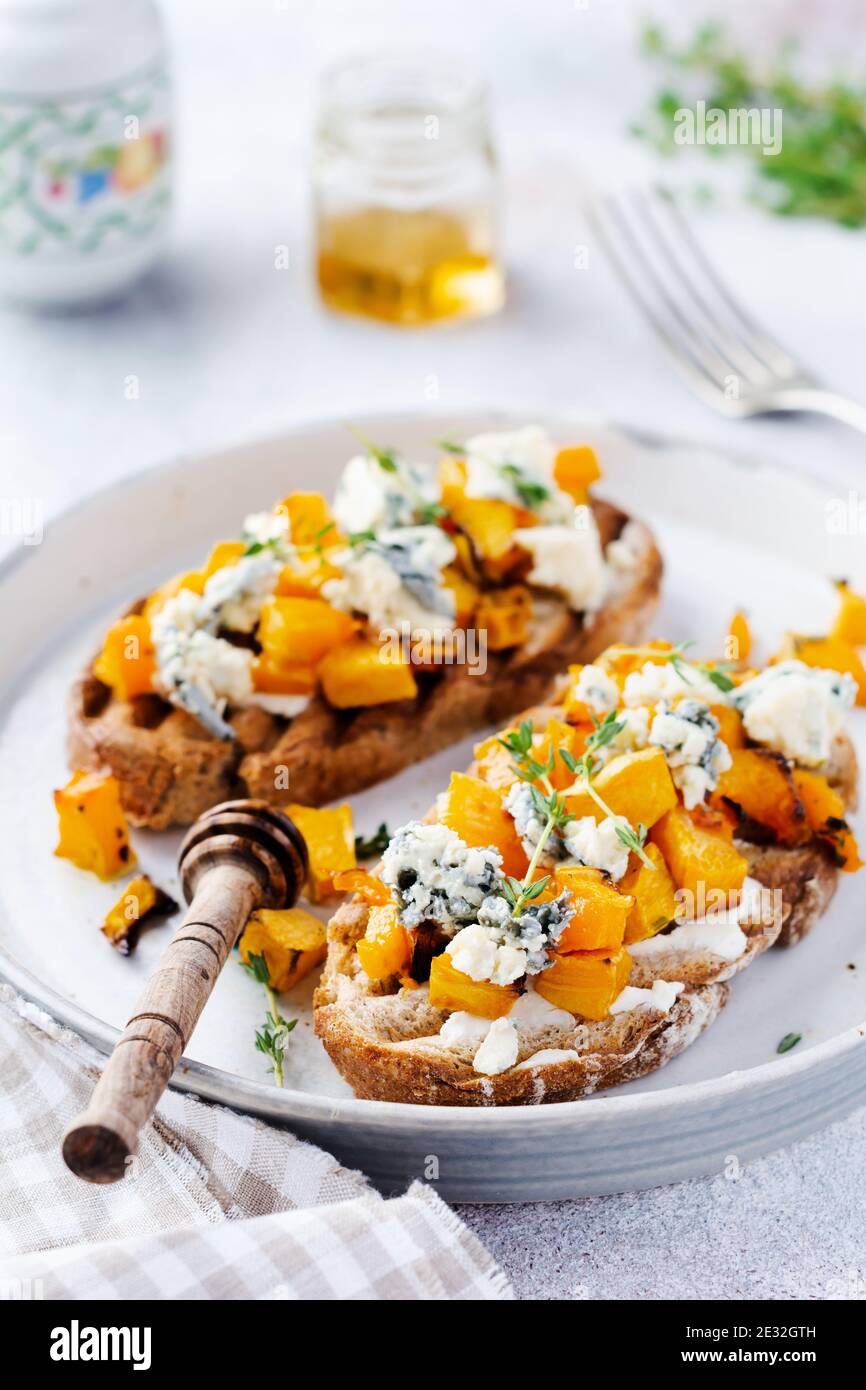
{"points": [[237, 857]]}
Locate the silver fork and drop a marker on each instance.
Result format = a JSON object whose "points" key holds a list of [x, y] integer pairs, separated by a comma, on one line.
{"points": [[726, 358]]}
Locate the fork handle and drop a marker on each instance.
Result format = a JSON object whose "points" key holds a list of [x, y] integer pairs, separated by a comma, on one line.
{"points": [[819, 401]]}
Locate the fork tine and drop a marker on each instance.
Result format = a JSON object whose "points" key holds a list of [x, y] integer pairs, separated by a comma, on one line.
{"points": [[706, 370], [687, 271], [754, 337]]}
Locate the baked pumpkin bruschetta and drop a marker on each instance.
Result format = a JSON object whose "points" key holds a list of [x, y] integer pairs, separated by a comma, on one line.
{"points": [[568, 915], [328, 647]]}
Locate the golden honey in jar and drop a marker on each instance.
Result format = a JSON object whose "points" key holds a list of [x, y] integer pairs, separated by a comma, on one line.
{"points": [[405, 187]]}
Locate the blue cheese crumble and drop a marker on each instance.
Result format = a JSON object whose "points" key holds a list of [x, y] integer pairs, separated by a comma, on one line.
{"points": [[584, 841], [397, 579], [795, 709], [503, 948], [689, 736], [436, 877], [595, 688], [597, 845], [569, 560], [656, 681], [371, 495]]}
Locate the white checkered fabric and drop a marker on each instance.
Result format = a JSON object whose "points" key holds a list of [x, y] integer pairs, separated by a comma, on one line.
{"points": [[218, 1205]]}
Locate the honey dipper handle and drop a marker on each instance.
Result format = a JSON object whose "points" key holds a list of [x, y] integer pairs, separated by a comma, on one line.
{"points": [[100, 1143]]}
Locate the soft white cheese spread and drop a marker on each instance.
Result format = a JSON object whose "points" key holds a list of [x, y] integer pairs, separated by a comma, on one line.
{"points": [[546, 1056], [719, 933], [499, 1049], [659, 999]]}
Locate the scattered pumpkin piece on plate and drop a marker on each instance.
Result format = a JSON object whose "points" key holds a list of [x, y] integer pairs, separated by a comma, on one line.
{"points": [[93, 830], [140, 901]]}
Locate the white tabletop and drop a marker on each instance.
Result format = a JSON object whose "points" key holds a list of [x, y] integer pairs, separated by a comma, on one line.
{"points": [[225, 347]]}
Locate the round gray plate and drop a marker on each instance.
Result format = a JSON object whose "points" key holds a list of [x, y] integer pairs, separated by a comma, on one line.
{"points": [[733, 533]]}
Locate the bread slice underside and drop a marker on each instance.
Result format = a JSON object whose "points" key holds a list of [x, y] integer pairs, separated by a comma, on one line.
{"points": [[170, 769]]}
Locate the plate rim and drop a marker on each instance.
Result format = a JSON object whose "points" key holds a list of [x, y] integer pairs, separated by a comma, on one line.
{"points": [[258, 1097]]}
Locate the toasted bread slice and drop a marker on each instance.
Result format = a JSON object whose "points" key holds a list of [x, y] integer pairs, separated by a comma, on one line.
{"points": [[384, 1040], [170, 769], [386, 1044]]}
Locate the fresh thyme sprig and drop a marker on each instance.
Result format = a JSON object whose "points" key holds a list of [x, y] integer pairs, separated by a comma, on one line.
{"points": [[549, 807], [818, 169], [531, 493], [273, 1036], [376, 844], [586, 767], [386, 458]]}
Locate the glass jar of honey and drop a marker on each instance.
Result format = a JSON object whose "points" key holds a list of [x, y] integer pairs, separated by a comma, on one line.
{"points": [[405, 192]]}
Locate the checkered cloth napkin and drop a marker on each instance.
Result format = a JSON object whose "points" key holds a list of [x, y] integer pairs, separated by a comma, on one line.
{"points": [[217, 1205]]}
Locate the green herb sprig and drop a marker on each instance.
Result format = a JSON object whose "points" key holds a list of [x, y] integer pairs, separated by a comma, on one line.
{"points": [[586, 767], [272, 1037], [376, 844], [820, 169], [549, 807]]}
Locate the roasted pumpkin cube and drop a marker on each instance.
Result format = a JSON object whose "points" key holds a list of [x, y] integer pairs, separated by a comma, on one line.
{"points": [[504, 615], [330, 838], [731, 729], [93, 829], [292, 941], [585, 983], [304, 576], [738, 643], [385, 949], [223, 554], [140, 900], [699, 861], [759, 784], [575, 469], [825, 813], [474, 810], [599, 912], [827, 653], [557, 736], [300, 631], [493, 763], [850, 623], [287, 678], [490, 525], [452, 481], [653, 894], [127, 662], [361, 672], [466, 594], [366, 885], [637, 786], [310, 520], [451, 989]]}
